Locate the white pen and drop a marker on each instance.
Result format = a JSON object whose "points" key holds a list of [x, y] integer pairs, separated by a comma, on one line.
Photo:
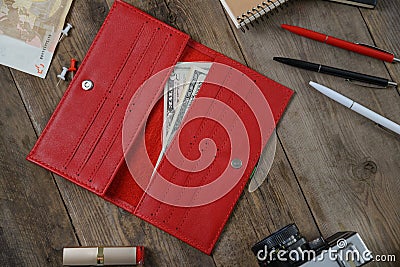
{"points": [[347, 102]]}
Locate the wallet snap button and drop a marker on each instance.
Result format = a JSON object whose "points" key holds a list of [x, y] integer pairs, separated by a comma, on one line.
{"points": [[236, 163], [87, 85]]}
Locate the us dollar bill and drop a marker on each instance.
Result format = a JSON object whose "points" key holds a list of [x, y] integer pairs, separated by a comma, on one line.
{"points": [[195, 79], [174, 90]]}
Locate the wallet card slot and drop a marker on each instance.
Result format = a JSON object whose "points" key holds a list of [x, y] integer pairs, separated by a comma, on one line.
{"points": [[115, 93], [63, 145], [123, 189], [75, 114], [103, 164], [103, 100], [205, 179], [193, 52], [111, 136], [112, 155]]}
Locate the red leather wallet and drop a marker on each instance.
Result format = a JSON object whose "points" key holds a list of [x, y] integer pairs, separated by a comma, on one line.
{"points": [[83, 141]]}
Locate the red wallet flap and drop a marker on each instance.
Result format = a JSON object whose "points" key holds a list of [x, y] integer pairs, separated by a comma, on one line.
{"points": [[190, 196], [82, 141]]}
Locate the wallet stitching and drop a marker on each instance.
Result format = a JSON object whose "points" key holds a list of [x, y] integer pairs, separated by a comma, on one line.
{"points": [[232, 99], [71, 85], [136, 95], [66, 95], [109, 116], [96, 141], [222, 147], [101, 160], [209, 50], [251, 72], [59, 172], [124, 205], [99, 191], [199, 130], [208, 169], [131, 208], [94, 116], [288, 94], [113, 81], [134, 9], [244, 182]]}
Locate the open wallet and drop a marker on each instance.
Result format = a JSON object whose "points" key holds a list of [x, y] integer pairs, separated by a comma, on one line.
{"points": [[106, 133]]}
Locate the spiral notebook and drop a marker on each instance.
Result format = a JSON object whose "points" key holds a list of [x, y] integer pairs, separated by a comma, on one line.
{"points": [[243, 12]]}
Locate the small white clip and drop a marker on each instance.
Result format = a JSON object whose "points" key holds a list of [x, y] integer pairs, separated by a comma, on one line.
{"points": [[61, 76], [65, 31]]}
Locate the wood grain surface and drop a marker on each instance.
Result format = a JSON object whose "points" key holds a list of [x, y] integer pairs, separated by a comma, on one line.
{"points": [[333, 169], [34, 223]]}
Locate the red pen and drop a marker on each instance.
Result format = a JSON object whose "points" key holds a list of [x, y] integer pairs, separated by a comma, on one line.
{"points": [[358, 48]]}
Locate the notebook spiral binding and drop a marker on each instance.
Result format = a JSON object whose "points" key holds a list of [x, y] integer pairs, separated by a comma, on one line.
{"points": [[258, 12]]}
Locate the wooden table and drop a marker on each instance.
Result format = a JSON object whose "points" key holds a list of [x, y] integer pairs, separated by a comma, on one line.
{"points": [[333, 170]]}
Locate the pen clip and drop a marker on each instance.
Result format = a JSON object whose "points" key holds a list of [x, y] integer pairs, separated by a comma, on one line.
{"points": [[367, 85], [376, 48]]}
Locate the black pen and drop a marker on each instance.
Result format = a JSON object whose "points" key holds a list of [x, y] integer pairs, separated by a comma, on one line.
{"points": [[336, 72]]}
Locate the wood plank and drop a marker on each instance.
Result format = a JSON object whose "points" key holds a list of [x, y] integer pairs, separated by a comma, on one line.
{"points": [[383, 23], [103, 223], [346, 166], [34, 224]]}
